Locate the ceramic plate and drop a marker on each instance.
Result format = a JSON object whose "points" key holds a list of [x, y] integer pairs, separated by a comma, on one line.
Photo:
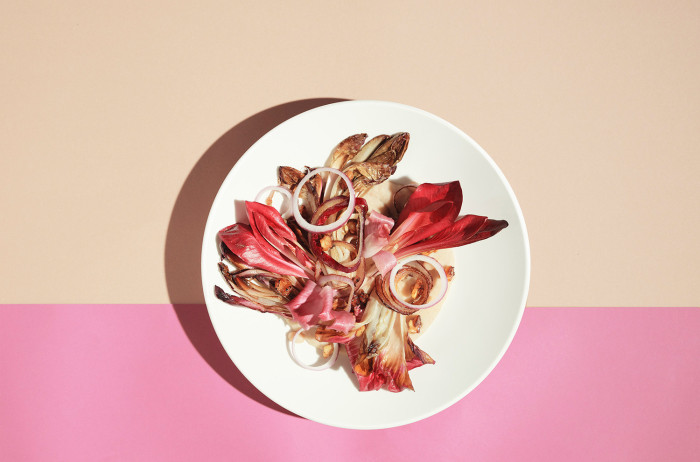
{"points": [[481, 312]]}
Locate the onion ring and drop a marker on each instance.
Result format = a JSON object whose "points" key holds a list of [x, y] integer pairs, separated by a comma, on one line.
{"points": [[344, 217], [323, 366], [285, 192], [430, 260], [342, 279]]}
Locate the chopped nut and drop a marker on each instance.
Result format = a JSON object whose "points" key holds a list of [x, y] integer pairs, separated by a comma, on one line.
{"points": [[450, 272], [327, 350], [362, 368], [316, 182], [417, 289], [351, 226], [326, 242], [414, 323], [283, 286]]}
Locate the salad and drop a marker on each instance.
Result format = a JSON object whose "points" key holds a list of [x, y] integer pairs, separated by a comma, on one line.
{"points": [[347, 267]]}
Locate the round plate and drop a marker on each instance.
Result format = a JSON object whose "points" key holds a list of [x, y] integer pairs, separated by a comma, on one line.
{"points": [[482, 309]]}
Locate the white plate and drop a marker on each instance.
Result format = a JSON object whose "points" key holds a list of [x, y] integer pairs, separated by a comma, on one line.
{"points": [[483, 307]]}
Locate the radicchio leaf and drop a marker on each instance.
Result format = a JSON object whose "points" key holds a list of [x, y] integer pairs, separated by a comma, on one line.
{"points": [[239, 239], [430, 221], [428, 194], [272, 232], [377, 229], [235, 300], [384, 261], [383, 354], [314, 306], [430, 209], [466, 230]]}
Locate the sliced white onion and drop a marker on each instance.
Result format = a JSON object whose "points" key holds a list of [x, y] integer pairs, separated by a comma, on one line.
{"points": [[323, 366], [286, 207], [344, 217], [339, 278], [438, 267]]}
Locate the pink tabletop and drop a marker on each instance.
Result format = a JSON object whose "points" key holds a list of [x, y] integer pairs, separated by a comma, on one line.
{"points": [[150, 382]]}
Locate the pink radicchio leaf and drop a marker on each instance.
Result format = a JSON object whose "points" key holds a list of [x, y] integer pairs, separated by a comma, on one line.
{"points": [[377, 229], [239, 239], [384, 261], [272, 231], [343, 321], [313, 306]]}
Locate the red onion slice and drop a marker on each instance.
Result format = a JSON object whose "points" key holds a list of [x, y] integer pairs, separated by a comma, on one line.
{"points": [[340, 278], [286, 212], [344, 217], [438, 267], [323, 366]]}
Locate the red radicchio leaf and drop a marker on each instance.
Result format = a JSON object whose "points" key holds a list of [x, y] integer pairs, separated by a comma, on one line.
{"points": [[314, 305], [430, 209], [466, 230], [422, 224], [241, 242], [271, 231], [428, 194], [430, 222]]}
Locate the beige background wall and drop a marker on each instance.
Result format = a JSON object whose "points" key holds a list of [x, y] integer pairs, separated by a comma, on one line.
{"points": [[110, 111]]}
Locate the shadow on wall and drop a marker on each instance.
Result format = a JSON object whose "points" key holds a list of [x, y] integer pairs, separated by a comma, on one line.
{"points": [[186, 228]]}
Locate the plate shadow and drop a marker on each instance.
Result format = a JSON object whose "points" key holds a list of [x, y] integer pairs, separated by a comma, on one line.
{"points": [[186, 228]]}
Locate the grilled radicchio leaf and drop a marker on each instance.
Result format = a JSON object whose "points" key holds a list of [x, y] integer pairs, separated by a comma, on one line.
{"points": [[383, 353]]}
